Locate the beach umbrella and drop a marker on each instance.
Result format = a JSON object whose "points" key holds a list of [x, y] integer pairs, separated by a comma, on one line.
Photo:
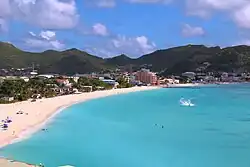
{"points": [[8, 121], [4, 126]]}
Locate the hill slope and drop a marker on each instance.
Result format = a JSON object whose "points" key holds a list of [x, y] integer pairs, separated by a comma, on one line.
{"points": [[168, 61], [194, 58], [200, 58], [67, 62], [121, 60]]}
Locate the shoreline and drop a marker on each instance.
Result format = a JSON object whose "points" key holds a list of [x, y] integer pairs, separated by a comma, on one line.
{"points": [[25, 134], [11, 163], [38, 114], [184, 85]]}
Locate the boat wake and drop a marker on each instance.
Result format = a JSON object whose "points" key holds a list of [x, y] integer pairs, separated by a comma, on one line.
{"points": [[188, 102]]}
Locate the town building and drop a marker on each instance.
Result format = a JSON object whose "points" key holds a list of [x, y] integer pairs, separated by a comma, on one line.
{"points": [[190, 75], [26, 79], [7, 99], [146, 77], [132, 79], [48, 76], [172, 81], [109, 81], [76, 79], [64, 82]]}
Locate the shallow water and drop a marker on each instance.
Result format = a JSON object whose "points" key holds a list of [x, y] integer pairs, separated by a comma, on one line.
{"points": [[149, 129]]}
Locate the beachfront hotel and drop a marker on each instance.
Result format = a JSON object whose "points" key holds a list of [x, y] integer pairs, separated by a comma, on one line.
{"points": [[147, 77]]}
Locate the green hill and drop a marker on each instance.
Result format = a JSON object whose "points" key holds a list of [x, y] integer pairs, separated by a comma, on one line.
{"points": [[121, 60], [194, 58], [167, 61], [66, 62]]}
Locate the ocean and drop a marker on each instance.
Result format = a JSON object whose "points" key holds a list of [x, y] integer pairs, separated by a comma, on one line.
{"points": [[147, 129]]}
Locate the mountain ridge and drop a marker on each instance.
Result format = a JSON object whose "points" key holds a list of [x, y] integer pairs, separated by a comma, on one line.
{"points": [[167, 61]]}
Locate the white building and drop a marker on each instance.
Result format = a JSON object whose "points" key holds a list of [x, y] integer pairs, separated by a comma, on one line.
{"points": [[33, 73], [189, 74], [76, 79], [26, 79], [47, 75], [9, 99], [172, 81]]}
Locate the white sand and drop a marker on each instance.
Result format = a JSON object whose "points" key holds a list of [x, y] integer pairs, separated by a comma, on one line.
{"points": [[8, 163], [40, 111]]}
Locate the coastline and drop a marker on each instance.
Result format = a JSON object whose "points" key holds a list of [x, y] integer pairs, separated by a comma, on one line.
{"points": [[184, 85], [10, 163], [39, 113]]}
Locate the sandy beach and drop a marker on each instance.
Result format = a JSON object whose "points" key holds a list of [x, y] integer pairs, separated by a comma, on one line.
{"points": [[10, 163], [35, 114]]}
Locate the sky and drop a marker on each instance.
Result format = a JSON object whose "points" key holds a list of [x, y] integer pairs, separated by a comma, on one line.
{"points": [[107, 28]]}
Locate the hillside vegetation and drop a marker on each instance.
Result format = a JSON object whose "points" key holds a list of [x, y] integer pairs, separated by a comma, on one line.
{"points": [[167, 61]]}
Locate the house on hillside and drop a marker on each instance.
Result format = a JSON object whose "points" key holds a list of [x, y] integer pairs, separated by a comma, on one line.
{"points": [[190, 75]]}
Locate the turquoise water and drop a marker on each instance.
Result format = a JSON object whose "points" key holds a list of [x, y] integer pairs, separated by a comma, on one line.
{"points": [[121, 131]]}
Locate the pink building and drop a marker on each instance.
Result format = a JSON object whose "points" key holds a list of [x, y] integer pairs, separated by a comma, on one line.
{"points": [[147, 77], [64, 82]]}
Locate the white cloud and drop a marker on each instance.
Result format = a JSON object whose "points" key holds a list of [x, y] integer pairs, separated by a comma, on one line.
{"points": [[32, 34], [145, 45], [139, 44], [238, 10], [48, 35], [101, 52], [43, 40], [5, 10], [100, 29], [209, 5], [149, 1], [131, 46], [106, 3], [190, 31], [47, 14], [3, 26], [102, 3], [242, 16], [243, 42], [112, 3]]}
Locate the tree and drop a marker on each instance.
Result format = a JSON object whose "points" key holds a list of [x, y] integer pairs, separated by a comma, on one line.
{"points": [[94, 82], [74, 84], [123, 83], [84, 81]]}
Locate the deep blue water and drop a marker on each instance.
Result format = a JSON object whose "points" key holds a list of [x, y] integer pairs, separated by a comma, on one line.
{"points": [[126, 131]]}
